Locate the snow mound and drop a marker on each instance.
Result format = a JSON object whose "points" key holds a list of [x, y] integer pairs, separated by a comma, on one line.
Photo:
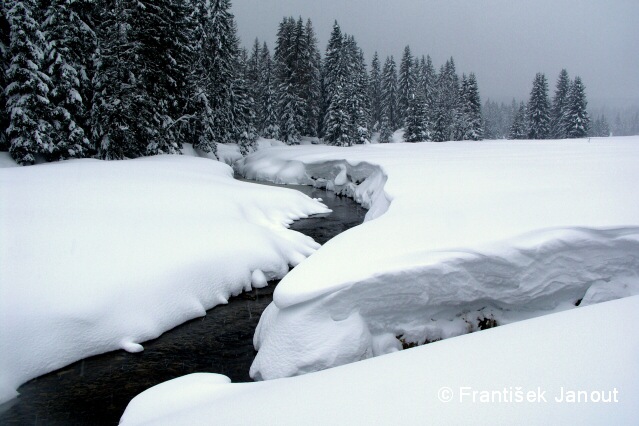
{"points": [[97, 256], [465, 235], [584, 350]]}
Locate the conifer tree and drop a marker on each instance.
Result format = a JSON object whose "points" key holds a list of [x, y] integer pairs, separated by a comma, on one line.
{"points": [[600, 127], [390, 119], [217, 117], [348, 113], [330, 70], [519, 127], [288, 54], [375, 93], [253, 71], [406, 81], [539, 109], [5, 59], [71, 45], [558, 113], [577, 119], [140, 83], [28, 86], [244, 131], [474, 130], [311, 81], [268, 126], [415, 129], [446, 103], [429, 79]]}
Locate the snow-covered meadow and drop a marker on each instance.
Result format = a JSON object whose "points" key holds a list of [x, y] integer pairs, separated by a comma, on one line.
{"points": [[100, 255], [97, 256], [464, 234]]}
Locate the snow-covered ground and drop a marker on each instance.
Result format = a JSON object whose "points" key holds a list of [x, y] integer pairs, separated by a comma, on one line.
{"points": [[464, 234], [525, 374], [97, 256]]}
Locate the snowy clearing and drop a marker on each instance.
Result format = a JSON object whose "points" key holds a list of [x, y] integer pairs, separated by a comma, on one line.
{"points": [[464, 234], [97, 256], [524, 373]]}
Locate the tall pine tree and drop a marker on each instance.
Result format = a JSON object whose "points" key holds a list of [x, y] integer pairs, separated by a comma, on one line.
{"points": [[539, 109], [558, 112], [375, 93], [5, 32], [267, 103], [406, 82], [577, 119], [390, 119], [28, 86], [72, 44], [473, 129]]}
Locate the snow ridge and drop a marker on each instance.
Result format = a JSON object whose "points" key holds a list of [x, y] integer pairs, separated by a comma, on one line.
{"points": [[477, 233]]}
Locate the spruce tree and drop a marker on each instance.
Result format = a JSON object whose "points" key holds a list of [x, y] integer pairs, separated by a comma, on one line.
{"points": [[491, 117], [600, 127], [244, 131], [446, 103], [390, 117], [288, 55], [415, 129], [311, 81], [71, 45], [5, 59], [141, 87], [29, 131], [406, 81], [558, 113], [474, 130], [217, 117], [429, 79], [330, 69], [375, 93], [348, 112], [539, 109], [268, 126], [519, 127], [253, 71], [577, 119]]}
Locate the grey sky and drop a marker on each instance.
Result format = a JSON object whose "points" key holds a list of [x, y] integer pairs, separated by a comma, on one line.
{"points": [[505, 42]]}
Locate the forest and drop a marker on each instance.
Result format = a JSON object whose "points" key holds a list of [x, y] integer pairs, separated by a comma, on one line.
{"points": [[114, 79]]}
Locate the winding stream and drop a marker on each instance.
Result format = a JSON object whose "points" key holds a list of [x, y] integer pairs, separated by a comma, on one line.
{"points": [[96, 390]]}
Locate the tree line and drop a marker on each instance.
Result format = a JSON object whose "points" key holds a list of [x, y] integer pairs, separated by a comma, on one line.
{"points": [[565, 116], [115, 79]]}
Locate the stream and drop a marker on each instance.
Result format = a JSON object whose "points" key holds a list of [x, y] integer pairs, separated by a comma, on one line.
{"points": [[96, 390]]}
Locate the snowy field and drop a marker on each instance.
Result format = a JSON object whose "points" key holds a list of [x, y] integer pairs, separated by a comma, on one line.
{"points": [[97, 256], [458, 236], [520, 374]]}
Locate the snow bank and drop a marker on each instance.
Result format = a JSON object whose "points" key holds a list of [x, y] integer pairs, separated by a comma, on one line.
{"points": [[464, 234], [97, 256], [519, 371]]}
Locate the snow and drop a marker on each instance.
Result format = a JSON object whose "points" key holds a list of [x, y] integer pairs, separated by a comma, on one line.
{"points": [[527, 366], [97, 256], [457, 234]]}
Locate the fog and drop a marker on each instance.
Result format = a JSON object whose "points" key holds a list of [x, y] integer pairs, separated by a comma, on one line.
{"points": [[504, 42]]}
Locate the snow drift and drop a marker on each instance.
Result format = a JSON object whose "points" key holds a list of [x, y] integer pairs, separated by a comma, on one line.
{"points": [[97, 256], [584, 350], [465, 235]]}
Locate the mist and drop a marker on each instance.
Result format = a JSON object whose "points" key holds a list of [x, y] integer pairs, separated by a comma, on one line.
{"points": [[503, 42]]}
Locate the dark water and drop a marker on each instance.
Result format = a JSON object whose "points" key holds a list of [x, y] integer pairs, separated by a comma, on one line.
{"points": [[96, 390]]}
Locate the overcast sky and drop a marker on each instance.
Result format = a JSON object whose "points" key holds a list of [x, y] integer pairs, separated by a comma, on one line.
{"points": [[504, 42]]}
